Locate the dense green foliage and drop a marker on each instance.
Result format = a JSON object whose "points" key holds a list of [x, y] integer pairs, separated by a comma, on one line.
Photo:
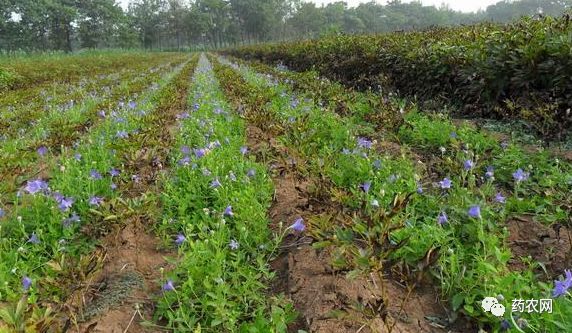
{"points": [[515, 71], [31, 25]]}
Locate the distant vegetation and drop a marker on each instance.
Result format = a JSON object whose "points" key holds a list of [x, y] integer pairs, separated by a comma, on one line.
{"points": [[31, 25]]}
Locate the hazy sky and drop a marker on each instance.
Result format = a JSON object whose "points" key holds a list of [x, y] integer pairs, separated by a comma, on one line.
{"points": [[462, 5]]}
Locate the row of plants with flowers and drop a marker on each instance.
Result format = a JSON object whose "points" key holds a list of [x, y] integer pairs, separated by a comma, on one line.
{"points": [[449, 190], [215, 202], [46, 226]]}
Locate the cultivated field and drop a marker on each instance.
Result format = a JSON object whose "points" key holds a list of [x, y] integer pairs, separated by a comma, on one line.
{"points": [[150, 192]]}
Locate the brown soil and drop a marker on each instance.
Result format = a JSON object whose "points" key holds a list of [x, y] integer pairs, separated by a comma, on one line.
{"points": [[549, 245], [327, 301], [131, 251]]}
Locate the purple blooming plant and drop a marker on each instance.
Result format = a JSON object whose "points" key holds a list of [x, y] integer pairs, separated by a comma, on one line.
{"points": [[114, 172], [445, 183], [168, 286], [243, 150], [216, 183], [95, 175], [26, 283], [442, 219], [95, 201], [122, 135], [251, 173], [500, 198], [233, 245], [377, 164], [520, 176], [298, 225], [77, 157], [2, 213], [185, 150], [490, 172], [364, 143], [365, 186], [561, 287], [475, 211], [200, 152], [180, 239], [65, 203], [74, 218], [228, 211], [132, 104], [468, 164], [185, 161], [35, 186], [34, 239], [42, 151]]}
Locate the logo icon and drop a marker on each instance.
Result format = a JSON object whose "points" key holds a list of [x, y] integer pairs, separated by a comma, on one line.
{"points": [[492, 305]]}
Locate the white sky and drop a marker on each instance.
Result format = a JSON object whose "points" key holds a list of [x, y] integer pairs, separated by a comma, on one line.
{"points": [[461, 5]]}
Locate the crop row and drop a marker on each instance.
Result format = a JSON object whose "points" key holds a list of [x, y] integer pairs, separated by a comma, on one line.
{"points": [[215, 205], [454, 202], [516, 71], [36, 148], [46, 229]]}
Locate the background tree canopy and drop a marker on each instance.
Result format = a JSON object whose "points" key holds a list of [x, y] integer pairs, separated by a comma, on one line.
{"points": [[41, 25]]}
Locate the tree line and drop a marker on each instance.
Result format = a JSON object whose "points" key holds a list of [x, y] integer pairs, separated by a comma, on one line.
{"points": [[44, 25]]}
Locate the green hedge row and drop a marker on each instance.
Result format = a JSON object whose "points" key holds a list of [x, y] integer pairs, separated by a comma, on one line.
{"points": [[518, 71]]}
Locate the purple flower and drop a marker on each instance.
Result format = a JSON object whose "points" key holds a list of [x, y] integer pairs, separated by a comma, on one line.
{"points": [[468, 164], [419, 189], [346, 151], [77, 157], [475, 211], [122, 135], [365, 186], [95, 201], [114, 172], [95, 175], [135, 178], [561, 287], [183, 115], [453, 135], [251, 173], [2, 213], [505, 325], [445, 183], [180, 239], [185, 161], [243, 150], [504, 145], [228, 211], [442, 218], [169, 286], [490, 172], [113, 186], [233, 244], [74, 218], [132, 104], [185, 150], [500, 198], [364, 143], [42, 151], [35, 186], [102, 114], [215, 183], [65, 203], [217, 111], [377, 164], [34, 239], [200, 152], [298, 225], [392, 178], [520, 176], [26, 283]]}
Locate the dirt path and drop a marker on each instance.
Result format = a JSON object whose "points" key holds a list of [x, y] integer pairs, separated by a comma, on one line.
{"points": [[119, 297]]}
